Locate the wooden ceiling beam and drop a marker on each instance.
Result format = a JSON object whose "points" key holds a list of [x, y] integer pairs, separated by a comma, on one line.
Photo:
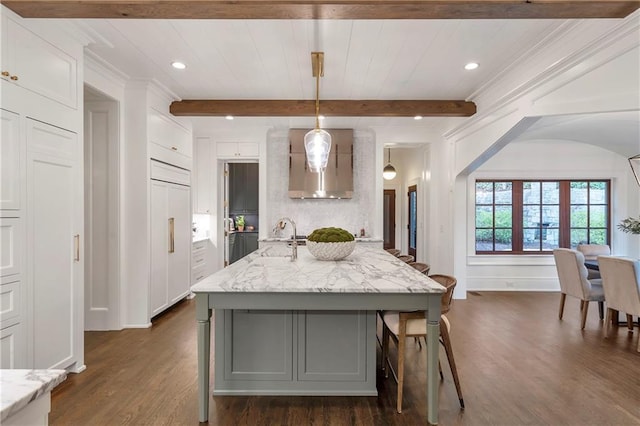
{"points": [[329, 108], [323, 9]]}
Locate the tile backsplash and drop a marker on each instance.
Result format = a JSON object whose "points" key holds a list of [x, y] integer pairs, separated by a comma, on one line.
{"points": [[351, 214]]}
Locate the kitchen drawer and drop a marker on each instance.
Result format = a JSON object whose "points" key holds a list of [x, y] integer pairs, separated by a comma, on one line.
{"points": [[198, 273], [200, 246], [10, 250], [198, 259], [10, 303]]}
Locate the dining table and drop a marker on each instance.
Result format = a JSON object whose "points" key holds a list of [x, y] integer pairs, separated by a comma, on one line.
{"points": [[592, 264]]}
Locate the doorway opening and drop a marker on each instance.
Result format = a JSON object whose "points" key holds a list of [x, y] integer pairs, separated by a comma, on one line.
{"points": [[412, 223], [101, 216], [389, 218], [241, 213]]}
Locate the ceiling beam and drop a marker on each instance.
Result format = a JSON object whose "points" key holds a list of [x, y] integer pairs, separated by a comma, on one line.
{"points": [[323, 9], [329, 108]]}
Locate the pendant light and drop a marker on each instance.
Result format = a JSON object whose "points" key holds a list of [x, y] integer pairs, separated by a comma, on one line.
{"points": [[389, 172], [635, 166], [317, 142]]}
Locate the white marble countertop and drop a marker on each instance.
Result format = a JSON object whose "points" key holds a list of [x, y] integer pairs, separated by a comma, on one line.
{"points": [[366, 270], [285, 240], [20, 387]]}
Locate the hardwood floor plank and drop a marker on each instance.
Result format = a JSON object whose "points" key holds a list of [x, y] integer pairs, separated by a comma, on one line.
{"points": [[518, 365]]}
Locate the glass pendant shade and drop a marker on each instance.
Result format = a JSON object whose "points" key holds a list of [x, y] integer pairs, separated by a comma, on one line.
{"points": [[317, 144], [389, 172], [635, 166]]}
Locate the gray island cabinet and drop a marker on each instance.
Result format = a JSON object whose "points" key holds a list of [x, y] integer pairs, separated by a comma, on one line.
{"points": [[307, 327]]}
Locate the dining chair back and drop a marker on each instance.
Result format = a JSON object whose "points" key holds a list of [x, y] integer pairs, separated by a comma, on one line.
{"points": [[621, 283], [572, 275], [397, 326], [591, 252], [407, 258], [422, 267]]}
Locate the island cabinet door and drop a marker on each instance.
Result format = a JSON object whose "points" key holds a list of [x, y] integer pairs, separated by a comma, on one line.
{"points": [[332, 345], [257, 345]]}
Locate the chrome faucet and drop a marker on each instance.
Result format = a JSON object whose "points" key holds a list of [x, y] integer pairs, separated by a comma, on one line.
{"points": [[281, 224]]}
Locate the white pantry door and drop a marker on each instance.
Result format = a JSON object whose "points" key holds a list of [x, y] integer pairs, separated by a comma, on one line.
{"points": [[54, 221]]}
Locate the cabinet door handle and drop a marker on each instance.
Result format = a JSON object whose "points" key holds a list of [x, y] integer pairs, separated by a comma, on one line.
{"points": [[172, 243], [5, 73], [76, 247], [174, 148], [14, 77]]}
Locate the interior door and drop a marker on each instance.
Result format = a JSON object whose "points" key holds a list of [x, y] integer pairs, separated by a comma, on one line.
{"points": [[389, 218], [412, 223], [226, 219]]}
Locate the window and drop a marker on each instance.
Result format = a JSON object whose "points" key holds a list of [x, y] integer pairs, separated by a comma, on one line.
{"points": [[536, 216]]}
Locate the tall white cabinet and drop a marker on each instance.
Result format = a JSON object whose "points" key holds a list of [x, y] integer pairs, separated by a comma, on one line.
{"points": [[170, 237], [157, 223], [41, 197]]}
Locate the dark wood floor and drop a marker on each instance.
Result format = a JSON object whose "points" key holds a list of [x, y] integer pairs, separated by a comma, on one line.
{"points": [[518, 365]]}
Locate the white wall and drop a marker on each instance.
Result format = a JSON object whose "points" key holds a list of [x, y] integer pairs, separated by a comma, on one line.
{"points": [[532, 160], [350, 214], [411, 164]]}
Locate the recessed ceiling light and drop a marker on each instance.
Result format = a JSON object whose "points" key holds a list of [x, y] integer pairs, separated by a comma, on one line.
{"points": [[417, 117], [471, 66], [229, 117], [178, 65]]}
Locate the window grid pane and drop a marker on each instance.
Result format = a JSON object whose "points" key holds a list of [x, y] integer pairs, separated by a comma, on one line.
{"points": [[543, 215], [494, 219]]}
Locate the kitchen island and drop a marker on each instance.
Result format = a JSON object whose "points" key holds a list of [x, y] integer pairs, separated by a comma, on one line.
{"points": [[318, 315]]}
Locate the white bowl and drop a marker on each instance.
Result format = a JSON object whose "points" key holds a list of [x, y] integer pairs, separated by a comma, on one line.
{"points": [[331, 251]]}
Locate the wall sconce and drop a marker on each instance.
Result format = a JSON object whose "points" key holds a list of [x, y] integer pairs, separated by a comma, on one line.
{"points": [[389, 172], [635, 166]]}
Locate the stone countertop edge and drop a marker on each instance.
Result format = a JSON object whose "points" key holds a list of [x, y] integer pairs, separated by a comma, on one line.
{"points": [[284, 240], [21, 387], [365, 271]]}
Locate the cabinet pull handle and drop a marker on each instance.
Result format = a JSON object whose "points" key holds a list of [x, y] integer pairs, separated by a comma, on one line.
{"points": [[172, 244], [14, 77], [76, 247], [5, 73], [174, 148]]}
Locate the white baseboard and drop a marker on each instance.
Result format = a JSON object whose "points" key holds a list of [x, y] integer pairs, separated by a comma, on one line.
{"points": [[512, 284]]}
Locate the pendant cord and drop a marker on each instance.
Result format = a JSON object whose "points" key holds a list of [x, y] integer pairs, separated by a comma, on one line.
{"points": [[318, 96]]}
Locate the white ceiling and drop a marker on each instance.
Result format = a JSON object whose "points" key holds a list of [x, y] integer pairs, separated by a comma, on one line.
{"points": [[364, 59]]}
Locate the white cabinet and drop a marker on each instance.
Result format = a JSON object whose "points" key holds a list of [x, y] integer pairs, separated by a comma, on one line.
{"points": [[198, 261], [10, 246], [203, 187], [54, 215], [170, 244], [169, 141], [37, 65], [10, 161], [41, 202], [12, 354], [238, 150]]}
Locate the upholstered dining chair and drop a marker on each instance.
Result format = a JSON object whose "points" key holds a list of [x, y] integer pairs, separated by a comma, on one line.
{"points": [[573, 282], [407, 258], [621, 283], [394, 252], [591, 252], [397, 326], [422, 267]]}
